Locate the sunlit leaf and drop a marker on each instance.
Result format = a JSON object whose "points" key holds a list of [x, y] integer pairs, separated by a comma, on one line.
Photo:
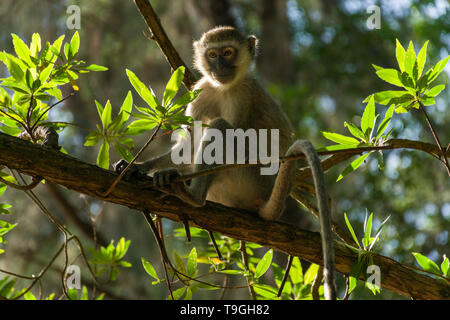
{"points": [[350, 228], [173, 85], [264, 264], [353, 166], [400, 55], [339, 138], [421, 58], [387, 119], [103, 156], [391, 76], [426, 263]]}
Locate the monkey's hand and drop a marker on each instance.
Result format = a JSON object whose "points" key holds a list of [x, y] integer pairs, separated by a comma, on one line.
{"points": [[164, 180], [133, 171]]}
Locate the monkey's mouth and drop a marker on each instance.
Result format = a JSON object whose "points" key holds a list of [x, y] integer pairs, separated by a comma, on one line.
{"points": [[223, 77]]}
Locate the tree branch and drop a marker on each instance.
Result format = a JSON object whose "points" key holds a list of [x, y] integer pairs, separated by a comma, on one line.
{"points": [[164, 43], [36, 160]]}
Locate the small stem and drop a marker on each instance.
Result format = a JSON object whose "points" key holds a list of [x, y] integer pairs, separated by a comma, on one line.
{"points": [[113, 185], [243, 250], [49, 108], [286, 275], [433, 132]]}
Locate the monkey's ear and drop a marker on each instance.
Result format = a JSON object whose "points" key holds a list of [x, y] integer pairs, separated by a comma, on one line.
{"points": [[252, 42]]}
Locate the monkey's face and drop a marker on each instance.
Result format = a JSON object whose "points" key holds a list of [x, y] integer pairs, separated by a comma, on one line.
{"points": [[223, 55], [222, 63]]}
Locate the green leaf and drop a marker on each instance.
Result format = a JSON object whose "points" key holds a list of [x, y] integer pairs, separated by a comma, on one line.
{"points": [[387, 119], [377, 234], [149, 269], [177, 294], [99, 108], [400, 54], [173, 85], [103, 156], [350, 228], [35, 45], [44, 74], [125, 109], [391, 76], [142, 90], [95, 67], [310, 274], [355, 272], [437, 69], [410, 59], [106, 115], [264, 264], [368, 117], [353, 166], [421, 58], [74, 44], [29, 79], [179, 262], [84, 294], [191, 266], [427, 101], [377, 68], [367, 230], [445, 266], [14, 68], [123, 152], [384, 97], [354, 130], [339, 138], [140, 126], [426, 264], [29, 296], [433, 92], [92, 139], [21, 49], [186, 99]]}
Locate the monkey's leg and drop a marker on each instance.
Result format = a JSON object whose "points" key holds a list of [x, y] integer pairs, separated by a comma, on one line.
{"points": [[274, 206], [195, 192]]}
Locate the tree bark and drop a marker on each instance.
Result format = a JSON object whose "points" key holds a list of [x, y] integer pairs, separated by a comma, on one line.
{"points": [[56, 167]]}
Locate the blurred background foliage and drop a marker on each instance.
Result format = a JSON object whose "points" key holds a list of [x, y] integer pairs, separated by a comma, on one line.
{"points": [[315, 58]]}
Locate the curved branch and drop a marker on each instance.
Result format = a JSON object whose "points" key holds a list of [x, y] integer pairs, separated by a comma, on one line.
{"points": [[164, 43], [36, 160]]}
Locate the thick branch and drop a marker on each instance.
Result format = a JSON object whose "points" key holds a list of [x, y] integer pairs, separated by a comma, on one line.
{"points": [[89, 179]]}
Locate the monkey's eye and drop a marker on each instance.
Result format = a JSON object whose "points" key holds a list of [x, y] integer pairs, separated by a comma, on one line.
{"points": [[212, 55], [228, 52]]}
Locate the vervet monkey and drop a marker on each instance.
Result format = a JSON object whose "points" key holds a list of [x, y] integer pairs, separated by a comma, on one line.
{"points": [[232, 98]]}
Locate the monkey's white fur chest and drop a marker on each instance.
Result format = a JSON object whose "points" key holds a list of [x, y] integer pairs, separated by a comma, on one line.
{"points": [[218, 102]]}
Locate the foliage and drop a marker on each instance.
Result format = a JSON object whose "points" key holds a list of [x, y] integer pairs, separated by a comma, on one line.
{"points": [[417, 92], [37, 73], [110, 259], [36, 77]]}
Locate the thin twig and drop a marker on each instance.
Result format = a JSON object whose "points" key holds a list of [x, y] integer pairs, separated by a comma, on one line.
{"points": [[244, 255], [436, 138], [286, 275], [216, 247], [113, 185], [49, 108], [316, 284]]}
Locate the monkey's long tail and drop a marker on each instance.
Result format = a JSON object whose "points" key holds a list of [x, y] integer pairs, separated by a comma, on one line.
{"points": [[324, 216]]}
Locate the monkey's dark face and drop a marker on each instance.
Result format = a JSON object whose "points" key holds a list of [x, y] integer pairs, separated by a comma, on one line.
{"points": [[222, 63]]}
